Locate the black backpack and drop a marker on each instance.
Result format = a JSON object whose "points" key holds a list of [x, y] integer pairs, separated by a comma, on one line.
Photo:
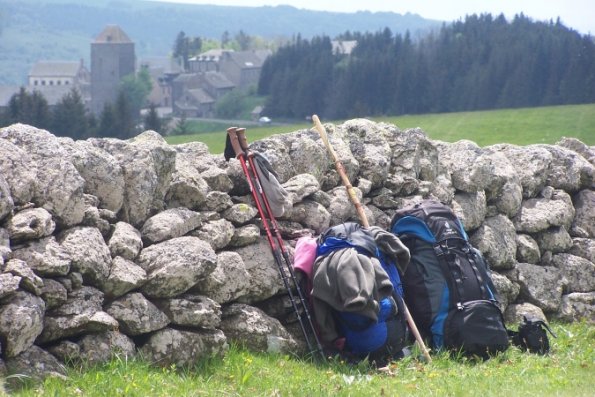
{"points": [[447, 285]]}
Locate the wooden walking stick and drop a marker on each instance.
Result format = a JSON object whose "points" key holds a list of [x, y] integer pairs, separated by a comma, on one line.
{"points": [[341, 170], [364, 220]]}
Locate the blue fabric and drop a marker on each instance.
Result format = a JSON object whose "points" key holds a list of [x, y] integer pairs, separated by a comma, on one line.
{"points": [[334, 243], [362, 335], [438, 323], [414, 226], [418, 228], [393, 273]]}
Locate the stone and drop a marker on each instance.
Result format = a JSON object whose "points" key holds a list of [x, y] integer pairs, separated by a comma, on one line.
{"points": [[137, 315], [169, 224], [229, 280], [252, 328], [578, 272], [174, 266], [183, 348], [21, 322], [577, 306], [46, 257], [188, 310], [527, 249], [583, 224], [496, 239], [125, 241], [30, 224], [218, 233], [538, 214], [124, 277], [89, 253]]}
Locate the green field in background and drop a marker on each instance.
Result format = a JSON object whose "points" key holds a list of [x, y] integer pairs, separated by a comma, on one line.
{"points": [[517, 126]]}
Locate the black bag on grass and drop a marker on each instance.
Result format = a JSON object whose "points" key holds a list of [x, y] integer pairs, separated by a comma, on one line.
{"points": [[532, 336], [447, 285]]}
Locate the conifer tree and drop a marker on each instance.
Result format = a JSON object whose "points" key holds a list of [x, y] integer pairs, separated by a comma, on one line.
{"points": [[69, 117], [152, 120]]}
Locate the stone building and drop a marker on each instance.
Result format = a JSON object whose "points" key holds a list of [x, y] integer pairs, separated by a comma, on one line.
{"points": [[112, 57]]}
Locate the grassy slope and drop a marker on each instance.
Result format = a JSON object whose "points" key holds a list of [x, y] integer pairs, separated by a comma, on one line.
{"points": [[517, 126], [567, 371]]}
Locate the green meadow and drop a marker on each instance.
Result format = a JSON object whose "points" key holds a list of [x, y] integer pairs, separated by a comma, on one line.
{"points": [[567, 371], [517, 126]]}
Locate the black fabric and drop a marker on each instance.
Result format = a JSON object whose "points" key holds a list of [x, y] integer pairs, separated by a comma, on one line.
{"points": [[228, 153], [477, 328], [532, 336]]}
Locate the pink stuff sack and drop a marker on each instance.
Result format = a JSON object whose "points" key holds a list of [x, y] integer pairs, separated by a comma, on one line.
{"points": [[305, 255]]}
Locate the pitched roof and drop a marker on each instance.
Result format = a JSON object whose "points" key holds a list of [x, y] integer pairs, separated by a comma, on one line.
{"points": [[246, 59], [200, 95], [112, 34], [55, 69], [217, 80], [210, 55]]}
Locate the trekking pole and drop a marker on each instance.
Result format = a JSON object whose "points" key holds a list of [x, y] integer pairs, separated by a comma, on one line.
{"points": [[364, 220], [240, 147]]}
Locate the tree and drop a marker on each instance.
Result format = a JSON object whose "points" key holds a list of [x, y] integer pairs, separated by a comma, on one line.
{"points": [[28, 108], [69, 117], [125, 117], [186, 47], [136, 89], [107, 122], [152, 120], [225, 39], [230, 105], [243, 40], [181, 48], [181, 127]]}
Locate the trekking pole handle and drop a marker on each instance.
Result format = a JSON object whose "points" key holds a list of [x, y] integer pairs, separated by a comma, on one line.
{"points": [[241, 133], [235, 143]]}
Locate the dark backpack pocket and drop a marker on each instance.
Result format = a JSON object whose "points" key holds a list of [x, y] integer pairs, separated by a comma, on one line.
{"points": [[476, 328]]}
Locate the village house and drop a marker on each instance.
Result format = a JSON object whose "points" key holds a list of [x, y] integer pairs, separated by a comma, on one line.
{"points": [[59, 73], [243, 67]]}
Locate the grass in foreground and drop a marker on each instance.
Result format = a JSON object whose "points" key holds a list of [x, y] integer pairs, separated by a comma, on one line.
{"points": [[517, 126], [567, 371]]}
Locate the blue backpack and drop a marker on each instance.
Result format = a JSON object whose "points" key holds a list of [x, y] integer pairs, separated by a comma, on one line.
{"points": [[379, 340], [448, 288]]}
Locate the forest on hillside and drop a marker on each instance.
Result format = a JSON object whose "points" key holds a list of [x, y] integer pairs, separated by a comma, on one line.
{"points": [[481, 62]]}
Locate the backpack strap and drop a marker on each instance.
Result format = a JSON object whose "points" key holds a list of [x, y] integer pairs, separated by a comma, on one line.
{"points": [[482, 284], [452, 269]]}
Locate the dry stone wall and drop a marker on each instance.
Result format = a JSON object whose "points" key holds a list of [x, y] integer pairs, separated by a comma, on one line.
{"points": [[138, 247]]}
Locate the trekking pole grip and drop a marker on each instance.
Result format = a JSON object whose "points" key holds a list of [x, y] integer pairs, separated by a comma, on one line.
{"points": [[235, 144], [241, 133]]}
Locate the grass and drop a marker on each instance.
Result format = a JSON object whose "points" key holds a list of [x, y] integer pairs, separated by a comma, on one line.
{"points": [[567, 371], [517, 126]]}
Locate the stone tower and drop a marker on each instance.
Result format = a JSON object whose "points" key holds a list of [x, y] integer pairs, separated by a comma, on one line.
{"points": [[112, 57]]}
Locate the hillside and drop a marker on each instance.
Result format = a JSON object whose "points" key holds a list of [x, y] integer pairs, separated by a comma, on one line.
{"points": [[62, 29]]}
